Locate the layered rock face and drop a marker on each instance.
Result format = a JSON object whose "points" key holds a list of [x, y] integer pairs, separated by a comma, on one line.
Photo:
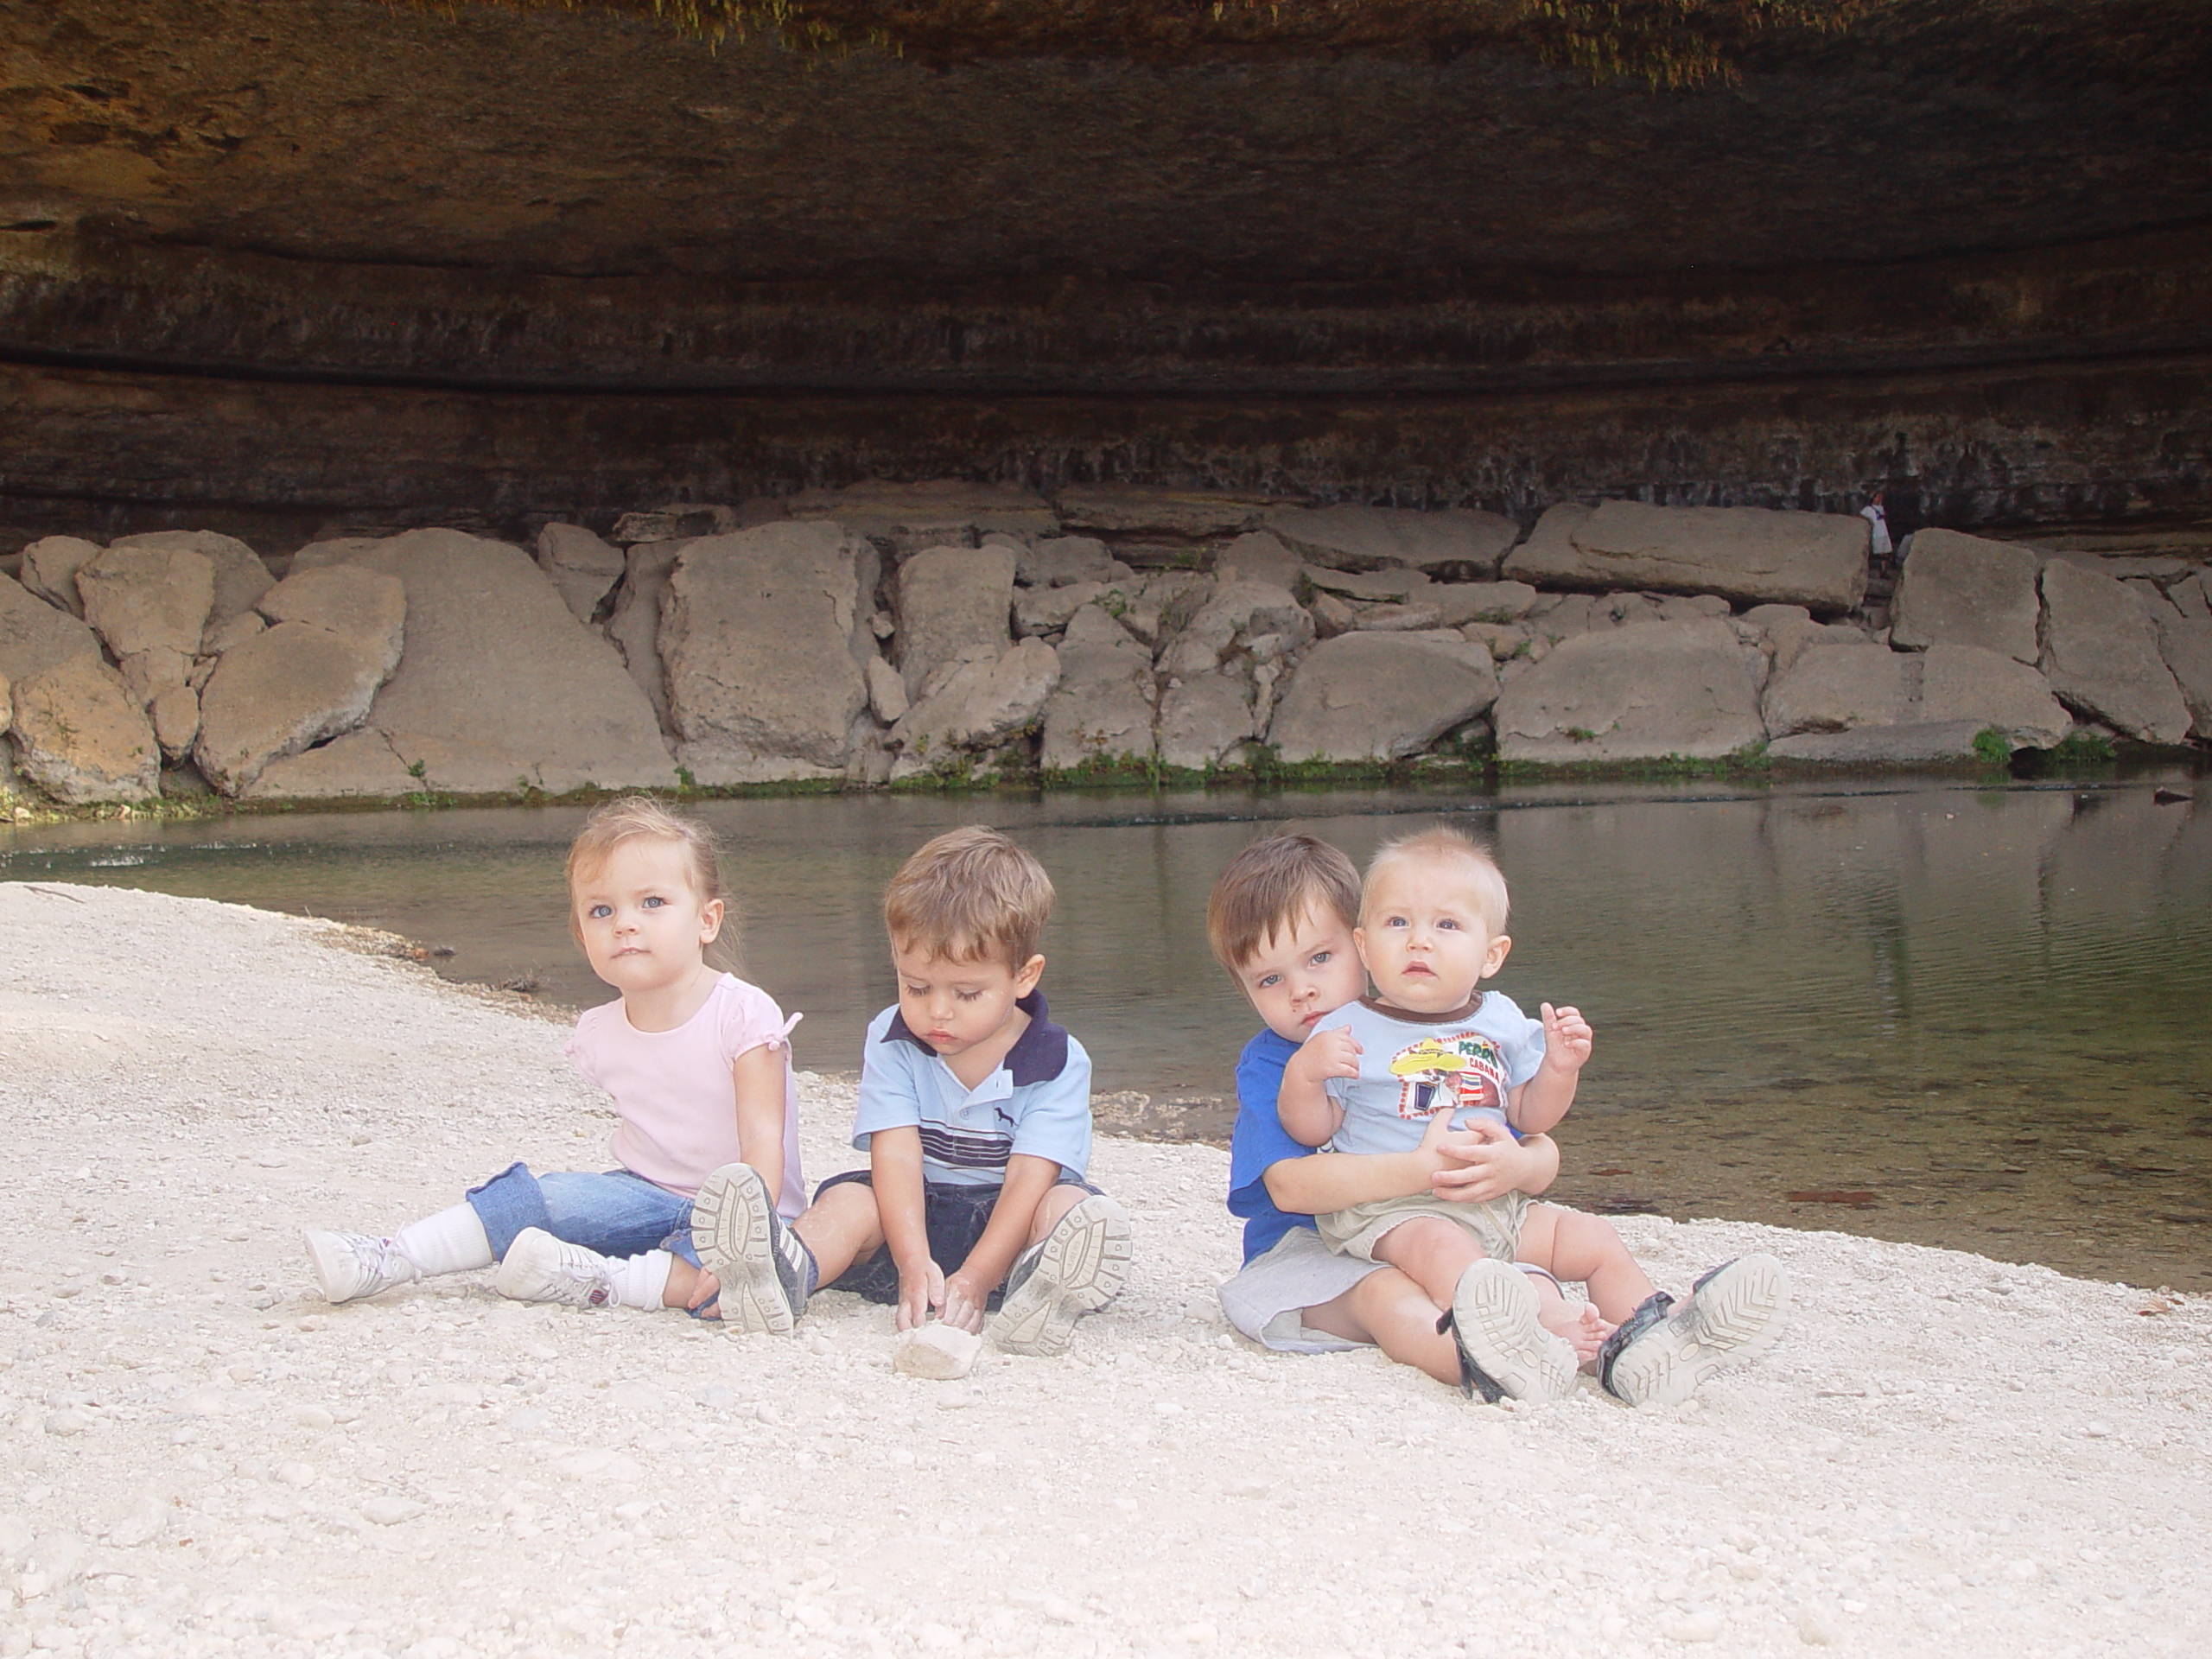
{"points": [[289, 270], [810, 651]]}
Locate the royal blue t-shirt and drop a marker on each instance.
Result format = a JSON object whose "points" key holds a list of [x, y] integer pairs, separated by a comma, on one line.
{"points": [[1260, 1140]]}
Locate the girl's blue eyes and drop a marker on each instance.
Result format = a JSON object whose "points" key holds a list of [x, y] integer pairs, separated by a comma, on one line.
{"points": [[599, 912]]}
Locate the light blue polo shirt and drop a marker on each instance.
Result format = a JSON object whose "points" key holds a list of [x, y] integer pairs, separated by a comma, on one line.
{"points": [[1038, 1102]]}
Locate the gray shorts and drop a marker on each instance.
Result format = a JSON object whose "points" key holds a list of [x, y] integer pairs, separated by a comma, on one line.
{"points": [[1265, 1297]]}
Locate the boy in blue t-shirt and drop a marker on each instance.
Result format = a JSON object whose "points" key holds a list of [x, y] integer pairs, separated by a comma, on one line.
{"points": [[1284, 920], [974, 1111]]}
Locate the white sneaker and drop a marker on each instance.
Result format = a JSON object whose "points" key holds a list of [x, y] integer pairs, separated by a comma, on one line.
{"points": [[1504, 1352], [1076, 1269], [349, 1266], [539, 1268], [1733, 1315], [761, 1264]]}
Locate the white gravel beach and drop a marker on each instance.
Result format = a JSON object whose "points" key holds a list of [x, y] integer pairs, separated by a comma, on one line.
{"points": [[1945, 1454]]}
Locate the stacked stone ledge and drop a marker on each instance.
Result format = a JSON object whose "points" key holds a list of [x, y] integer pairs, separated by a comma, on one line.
{"points": [[948, 631]]}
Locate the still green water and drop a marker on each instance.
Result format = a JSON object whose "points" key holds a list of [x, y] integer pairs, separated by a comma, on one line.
{"points": [[1978, 1017]]}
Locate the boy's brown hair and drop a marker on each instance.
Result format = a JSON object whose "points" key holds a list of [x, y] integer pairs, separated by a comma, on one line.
{"points": [[1270, 887], [970, 895], [1444, 844]]}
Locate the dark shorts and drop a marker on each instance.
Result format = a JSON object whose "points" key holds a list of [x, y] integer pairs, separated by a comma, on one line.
{"points": [[953, 1216]]}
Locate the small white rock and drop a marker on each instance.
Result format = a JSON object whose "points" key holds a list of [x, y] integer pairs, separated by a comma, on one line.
{"points": [[1816, 1626], [1702, 1625], [940, 1351], [388, 1511], [313, 1417], [294, 1473]]}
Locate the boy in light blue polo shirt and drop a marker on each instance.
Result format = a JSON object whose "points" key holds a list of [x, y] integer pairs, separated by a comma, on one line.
{"points": [[974, 1111]]}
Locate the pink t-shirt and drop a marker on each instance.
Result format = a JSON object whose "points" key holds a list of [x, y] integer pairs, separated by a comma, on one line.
{"points": [[673, 1089]]}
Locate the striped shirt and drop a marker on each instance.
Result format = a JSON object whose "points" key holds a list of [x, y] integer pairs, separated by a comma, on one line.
{"points": [[1038, 1102]]}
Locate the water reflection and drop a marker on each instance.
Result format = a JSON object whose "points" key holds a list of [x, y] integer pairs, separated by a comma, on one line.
{"points": [[1967, 1016]]}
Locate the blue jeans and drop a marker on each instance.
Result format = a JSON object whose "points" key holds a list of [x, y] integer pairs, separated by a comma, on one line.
{"points": [[618, 1214]]}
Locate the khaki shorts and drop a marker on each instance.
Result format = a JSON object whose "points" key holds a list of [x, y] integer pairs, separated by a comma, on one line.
{"points": [[1494, 1223]]}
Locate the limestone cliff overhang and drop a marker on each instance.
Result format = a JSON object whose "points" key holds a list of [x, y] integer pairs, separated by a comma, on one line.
{"points": [[1331, 199]]}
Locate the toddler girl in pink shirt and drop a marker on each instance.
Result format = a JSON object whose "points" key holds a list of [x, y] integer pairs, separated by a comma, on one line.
{"points": [[699, 1067]]}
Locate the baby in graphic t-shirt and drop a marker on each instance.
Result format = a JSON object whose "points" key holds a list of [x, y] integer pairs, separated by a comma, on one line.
{"points": [[1371, 1078]]}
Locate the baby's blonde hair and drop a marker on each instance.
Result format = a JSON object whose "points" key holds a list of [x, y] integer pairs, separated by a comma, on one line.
{"points": [[1442, 844], [639, 818], [970, 895]]}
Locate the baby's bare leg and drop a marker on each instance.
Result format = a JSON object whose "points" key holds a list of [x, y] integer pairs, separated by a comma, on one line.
{"points": [[1392, 1312], [1432, 1252], [1573, 1245]]}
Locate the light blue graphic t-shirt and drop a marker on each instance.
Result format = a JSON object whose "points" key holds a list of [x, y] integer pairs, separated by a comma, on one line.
{"points": [[1413, 1066]]}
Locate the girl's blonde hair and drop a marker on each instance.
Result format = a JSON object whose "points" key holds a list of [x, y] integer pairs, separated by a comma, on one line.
{"points": [[639, 818]]}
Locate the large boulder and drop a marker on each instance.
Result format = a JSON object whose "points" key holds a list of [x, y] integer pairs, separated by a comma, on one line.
{"points": [[241, 578], [336, 637], [763, 636], [980, 705], [1060, 561], [954, 605], [151, 603], [1966, 590], [1047, 610], [1376, 697], [1747, 553], [1101, 711], [1206, 719], [930, 512], [1915, 744], [2186, 644], [634, 624], [2100, 654], [1458, 603], [1633, 693], [1836, 688], [581, 566], [361, 605], [1154, 607], [50, 567], [1260, 557], [35, 636], [1452, 544], [1989, 688], [361, 765], [1239, 614], [1149, 510], [500, 685], [82, 736]]}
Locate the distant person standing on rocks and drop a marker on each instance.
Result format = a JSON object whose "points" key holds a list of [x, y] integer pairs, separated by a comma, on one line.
{"points": [[1878, 519], [698, 1063]]}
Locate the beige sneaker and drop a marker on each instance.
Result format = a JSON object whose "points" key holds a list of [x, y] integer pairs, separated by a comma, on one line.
{"points": [[1078, 1268]]}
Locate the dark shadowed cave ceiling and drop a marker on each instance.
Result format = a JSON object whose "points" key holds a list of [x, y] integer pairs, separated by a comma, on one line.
{"points": [[337, 257]]}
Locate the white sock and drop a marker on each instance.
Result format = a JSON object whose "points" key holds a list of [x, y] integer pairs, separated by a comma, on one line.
{"points": [[641, 1281], [452, 1241]]}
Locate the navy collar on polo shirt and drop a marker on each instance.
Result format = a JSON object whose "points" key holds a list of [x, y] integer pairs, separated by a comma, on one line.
{"points": [[1038, 1055]]}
